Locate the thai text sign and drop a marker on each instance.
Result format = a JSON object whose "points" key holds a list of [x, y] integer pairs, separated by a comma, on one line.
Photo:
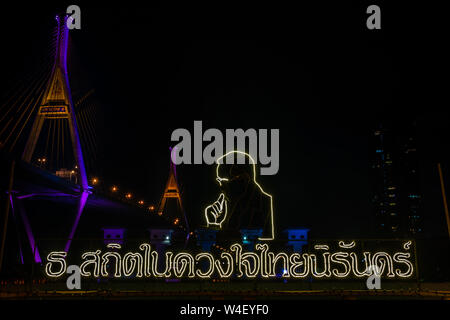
{"points": [[343, 261]]}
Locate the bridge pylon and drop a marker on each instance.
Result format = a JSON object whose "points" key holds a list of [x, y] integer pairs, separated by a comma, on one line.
{"points": [[172, 193], [56, 104]]}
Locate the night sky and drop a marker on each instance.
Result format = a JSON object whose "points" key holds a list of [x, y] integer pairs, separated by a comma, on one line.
{"points": [[313, 71]]}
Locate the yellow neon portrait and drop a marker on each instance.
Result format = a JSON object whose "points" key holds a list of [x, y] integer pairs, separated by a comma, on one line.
{"points": [[219, 208]]}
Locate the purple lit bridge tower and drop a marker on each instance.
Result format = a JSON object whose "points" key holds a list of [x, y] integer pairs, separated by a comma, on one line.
{"points": [[57, 104]]}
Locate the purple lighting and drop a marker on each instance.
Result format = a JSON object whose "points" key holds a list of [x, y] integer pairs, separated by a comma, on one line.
{"points": [[30, 236], [63, 40], [63, 52], [12, 210], [77, 146], [81, 204]]}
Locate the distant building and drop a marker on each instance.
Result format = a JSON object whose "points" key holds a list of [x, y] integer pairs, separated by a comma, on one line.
{"points": [[67, 174], [396, 196]]}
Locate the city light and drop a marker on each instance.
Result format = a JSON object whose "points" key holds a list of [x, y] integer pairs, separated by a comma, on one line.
{"points": [[151, 208], [114, 189], [128, 196], [141, 202], [94, 181], [41, 162]]}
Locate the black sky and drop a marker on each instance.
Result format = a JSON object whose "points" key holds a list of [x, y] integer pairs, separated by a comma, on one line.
{"points": [[314, 71]]}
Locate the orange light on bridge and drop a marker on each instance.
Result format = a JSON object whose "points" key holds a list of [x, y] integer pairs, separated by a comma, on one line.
{"points": [[94, 181], [128, 196], [175, 222], [141, 202], [114, 189], [151, 208]]}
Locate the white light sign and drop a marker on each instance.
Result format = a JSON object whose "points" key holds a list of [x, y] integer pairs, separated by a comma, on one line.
{"points": [[323, 263]]}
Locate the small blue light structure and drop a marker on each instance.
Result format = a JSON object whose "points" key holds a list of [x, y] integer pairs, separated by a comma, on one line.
{"points": [[113, 235], [297, 238], [206, 238], [250, 237], [160, 237]]}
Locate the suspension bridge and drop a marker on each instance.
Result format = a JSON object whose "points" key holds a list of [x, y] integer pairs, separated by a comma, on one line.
{"points": [[49, 149]]}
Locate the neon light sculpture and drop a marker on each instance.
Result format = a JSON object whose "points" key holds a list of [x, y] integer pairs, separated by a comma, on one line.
{"points": [[216, 214], [259, 263]]}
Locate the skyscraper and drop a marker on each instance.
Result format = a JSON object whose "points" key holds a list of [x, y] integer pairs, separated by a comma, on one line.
{"points": [[411, 196], [396, 196]]}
